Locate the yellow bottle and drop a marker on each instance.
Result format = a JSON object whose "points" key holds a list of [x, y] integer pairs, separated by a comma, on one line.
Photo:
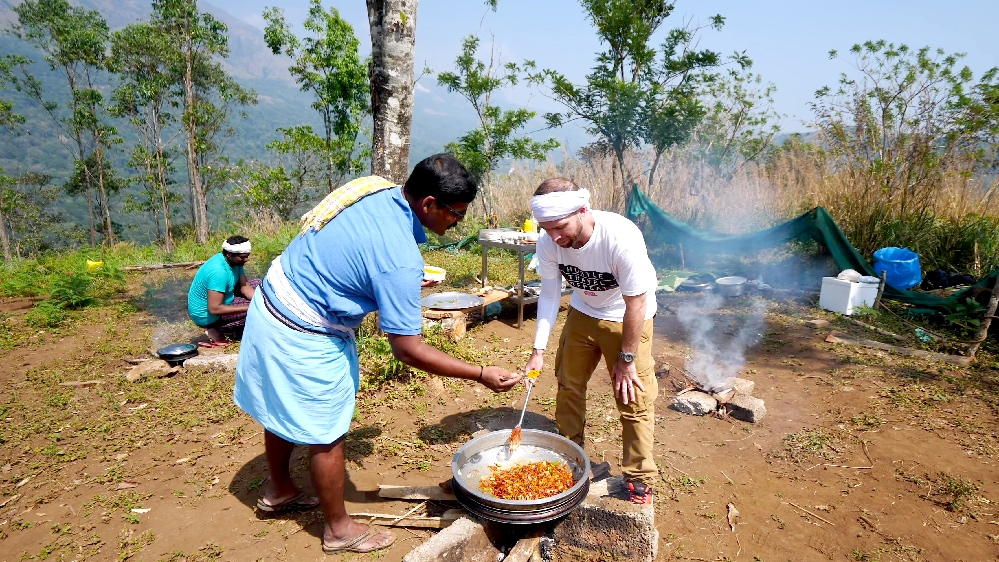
{"points": [[529, 225]]}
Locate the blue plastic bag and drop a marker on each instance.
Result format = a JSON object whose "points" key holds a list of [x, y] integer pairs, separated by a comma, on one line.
{"points": [[901, 267]]}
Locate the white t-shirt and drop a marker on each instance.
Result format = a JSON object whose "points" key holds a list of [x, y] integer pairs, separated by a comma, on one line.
{"points": [[613, 262]]}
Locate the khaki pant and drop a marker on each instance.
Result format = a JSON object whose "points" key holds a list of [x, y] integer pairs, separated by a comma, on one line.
{"points": [[584, 340]]}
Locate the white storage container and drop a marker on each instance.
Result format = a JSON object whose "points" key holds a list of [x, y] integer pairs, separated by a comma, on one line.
{"points": [[844, 296]]}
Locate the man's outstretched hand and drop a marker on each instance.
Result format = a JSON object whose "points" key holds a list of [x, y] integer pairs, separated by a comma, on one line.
{"points": [[499, 379]]}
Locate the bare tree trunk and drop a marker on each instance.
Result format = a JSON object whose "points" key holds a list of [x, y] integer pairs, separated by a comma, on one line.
{"points": [[199, 203], [393, 41], [4, 239], [102, 197], [990, 313]]}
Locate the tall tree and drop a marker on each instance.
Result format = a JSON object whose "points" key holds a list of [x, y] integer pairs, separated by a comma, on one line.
{"points": [[200, 38], [393, 42], [142, 56], [9, 121], [74, 41], [481, 149], [328, 65], [632, 81]]}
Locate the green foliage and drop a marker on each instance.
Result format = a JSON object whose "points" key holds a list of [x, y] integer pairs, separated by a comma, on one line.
{"points": [[74, 41], [482, 149], [327, 64], [143, 56], [739, 123], [635, 92], [284, 189], [901, 125]]}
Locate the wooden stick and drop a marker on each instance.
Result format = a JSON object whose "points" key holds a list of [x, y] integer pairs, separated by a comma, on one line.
{"points": [[881, 288], [432, 493], [960, 361], [810, 513], [80, 383], [161, 266], [408, 513], [983, 328], [415, 521], [875, 329]]}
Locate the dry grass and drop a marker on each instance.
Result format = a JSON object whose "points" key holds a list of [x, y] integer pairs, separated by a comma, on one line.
{"points": [[951, 224]]}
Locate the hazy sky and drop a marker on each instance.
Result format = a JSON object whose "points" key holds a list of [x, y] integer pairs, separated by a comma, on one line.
{"points": [[788, 40]]}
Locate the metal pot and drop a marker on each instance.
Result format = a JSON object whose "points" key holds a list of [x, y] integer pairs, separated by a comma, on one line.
{"points": [[731, 286], [472, 461], [177, 353]]}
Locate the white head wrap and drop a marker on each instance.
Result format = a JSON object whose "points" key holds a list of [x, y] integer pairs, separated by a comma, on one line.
{"points": [[559, 204], [242, 248]]}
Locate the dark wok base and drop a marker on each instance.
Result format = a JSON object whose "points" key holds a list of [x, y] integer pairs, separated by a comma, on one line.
{"points": [[549, 513]]}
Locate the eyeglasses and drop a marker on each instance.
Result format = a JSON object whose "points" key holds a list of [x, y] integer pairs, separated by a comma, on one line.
{"points": [[457, 213]]}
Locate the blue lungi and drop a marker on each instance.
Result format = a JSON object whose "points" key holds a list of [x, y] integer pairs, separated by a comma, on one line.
{"points": [[300, 386]]}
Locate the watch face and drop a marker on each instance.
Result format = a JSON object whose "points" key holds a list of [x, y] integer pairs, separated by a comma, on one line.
{"points": [[627, 357]]}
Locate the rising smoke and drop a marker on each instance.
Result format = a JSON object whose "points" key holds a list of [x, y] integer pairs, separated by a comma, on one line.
{"points": [[719, 340]]}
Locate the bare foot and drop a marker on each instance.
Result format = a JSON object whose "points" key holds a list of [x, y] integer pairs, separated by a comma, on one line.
{"points": [[214, 335]]}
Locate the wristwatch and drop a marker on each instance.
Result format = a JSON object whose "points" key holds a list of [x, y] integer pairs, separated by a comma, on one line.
{"points": [[626, 357]]}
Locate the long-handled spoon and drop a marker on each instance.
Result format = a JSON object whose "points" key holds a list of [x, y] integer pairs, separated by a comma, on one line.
{"points": [[516, 434]]}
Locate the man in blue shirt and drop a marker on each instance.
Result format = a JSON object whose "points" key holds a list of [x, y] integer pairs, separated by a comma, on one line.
{"points": [[298, 371], [220, 293]]}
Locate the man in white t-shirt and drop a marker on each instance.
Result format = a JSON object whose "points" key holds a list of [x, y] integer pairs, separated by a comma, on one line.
{"points": [[602, 255]]}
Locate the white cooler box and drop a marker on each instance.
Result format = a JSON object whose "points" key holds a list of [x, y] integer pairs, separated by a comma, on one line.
{"points": [[844, 296]]}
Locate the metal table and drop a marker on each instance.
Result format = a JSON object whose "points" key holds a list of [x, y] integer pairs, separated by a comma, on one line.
{"points": [[522, 250]]}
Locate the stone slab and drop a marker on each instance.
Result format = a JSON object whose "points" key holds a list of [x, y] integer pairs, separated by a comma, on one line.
{"points": [[214, 360], [695, 402], [606, 526], [465, 540], [746, 408]]}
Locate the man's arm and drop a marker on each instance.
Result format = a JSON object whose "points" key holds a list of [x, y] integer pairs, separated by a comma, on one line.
{"points": [[244, 288], [216, 307], [412, 351], [624, 376]]}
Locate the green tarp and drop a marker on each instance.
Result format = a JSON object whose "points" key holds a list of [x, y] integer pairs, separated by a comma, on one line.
{"points": [[814, 225]]}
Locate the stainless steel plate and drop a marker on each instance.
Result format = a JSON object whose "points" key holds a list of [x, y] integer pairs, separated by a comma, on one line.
{"points": [[451, 301]]}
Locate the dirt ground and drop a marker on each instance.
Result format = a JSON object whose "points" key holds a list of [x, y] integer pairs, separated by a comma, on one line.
{"points": [[863, 455]]}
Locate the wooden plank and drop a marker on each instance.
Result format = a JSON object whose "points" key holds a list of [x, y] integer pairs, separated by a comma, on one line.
{"points": [[836, 337], [417, 521], [433, 493], [525, 548], [161, 266]]}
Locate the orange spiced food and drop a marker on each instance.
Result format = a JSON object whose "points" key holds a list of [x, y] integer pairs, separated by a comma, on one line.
{"points": [[528, 481]]}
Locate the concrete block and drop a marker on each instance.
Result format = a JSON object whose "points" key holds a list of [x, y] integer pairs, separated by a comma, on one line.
{"points": [[694, 402], [746, 408], [743, 386], [606, 526], [465, 540]]}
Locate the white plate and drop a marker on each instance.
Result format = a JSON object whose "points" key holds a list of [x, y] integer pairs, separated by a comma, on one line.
{"points": [[451, 301]]}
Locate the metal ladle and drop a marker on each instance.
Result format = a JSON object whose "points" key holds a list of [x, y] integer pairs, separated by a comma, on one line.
{"points": [[514, 441]]}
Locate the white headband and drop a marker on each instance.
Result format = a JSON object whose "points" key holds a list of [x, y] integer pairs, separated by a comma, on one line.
{"points": [[559, 204], [242, 248]]}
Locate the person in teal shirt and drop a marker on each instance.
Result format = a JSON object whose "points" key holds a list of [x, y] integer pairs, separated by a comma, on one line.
{"points": [[220, 293]]}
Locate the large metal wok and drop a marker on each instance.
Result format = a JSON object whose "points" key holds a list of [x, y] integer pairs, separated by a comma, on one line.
{"points": [[472, 461]]}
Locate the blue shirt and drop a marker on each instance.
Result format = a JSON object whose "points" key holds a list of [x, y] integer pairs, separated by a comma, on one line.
{"points": [[214, 275], [366, 258]]}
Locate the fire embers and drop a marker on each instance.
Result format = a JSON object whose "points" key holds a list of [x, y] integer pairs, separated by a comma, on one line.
{"points": [[731, 399]]}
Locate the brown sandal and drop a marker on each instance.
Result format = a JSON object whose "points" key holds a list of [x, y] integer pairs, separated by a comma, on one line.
{"points": [[354, 545]]}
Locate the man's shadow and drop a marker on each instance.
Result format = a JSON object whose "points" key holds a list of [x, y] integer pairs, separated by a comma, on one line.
{"points": [[250, 478], [458, 428]]}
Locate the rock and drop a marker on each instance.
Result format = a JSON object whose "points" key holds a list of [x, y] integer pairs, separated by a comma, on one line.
{"points": [[464, 540], [607, 525], [746, 408], [817, 323], [743, 386], [214, 360], [151, 368], [695, 402]]}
